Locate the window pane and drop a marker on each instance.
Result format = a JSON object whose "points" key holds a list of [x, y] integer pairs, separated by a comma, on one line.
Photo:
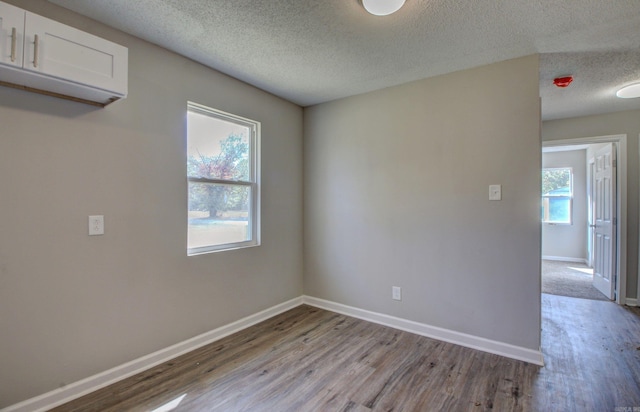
{"points": [[218, 214], [556, 209], [223, 177], [557, 191], [556, 182], [217, 148]]}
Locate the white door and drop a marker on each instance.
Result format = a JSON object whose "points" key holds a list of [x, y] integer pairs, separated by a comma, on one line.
{"points": [[604, 226]]}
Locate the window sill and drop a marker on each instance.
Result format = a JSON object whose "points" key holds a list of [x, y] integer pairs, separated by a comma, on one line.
{"points": [[221, 248]]}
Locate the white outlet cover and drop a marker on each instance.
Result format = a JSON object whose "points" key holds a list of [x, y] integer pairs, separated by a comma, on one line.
{"points": [[495, 192], [96, 225], [396, 293]]}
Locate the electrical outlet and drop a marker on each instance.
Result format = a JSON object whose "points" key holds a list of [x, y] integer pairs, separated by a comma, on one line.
{"points": [[495, 192], [396, 292], [96, 225]]}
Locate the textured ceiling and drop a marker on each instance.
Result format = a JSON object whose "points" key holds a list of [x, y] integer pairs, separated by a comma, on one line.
{"points": [[311, 51], [597, 77]]}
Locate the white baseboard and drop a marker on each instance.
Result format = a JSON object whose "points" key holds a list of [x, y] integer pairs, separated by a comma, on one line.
{"points": [[458, 338], [631, 302], [85, 386], [80, 388], [566, 259]]}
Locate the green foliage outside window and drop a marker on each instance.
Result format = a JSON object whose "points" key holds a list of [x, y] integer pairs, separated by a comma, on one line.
{"points": [[554, 179], [232, 164]]}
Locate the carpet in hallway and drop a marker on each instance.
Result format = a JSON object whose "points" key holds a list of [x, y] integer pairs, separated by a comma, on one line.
{"points": [[569, 279]]}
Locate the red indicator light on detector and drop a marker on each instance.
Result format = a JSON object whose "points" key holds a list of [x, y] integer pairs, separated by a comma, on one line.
{"points": [[563, 81]]}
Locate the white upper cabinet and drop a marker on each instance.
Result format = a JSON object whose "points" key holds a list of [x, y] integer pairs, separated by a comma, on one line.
{"points": [[11, 34], [62, 51], [42, 55]]}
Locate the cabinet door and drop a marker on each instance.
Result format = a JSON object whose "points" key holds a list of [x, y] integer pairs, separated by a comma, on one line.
{"points": [[58, 50], [11, 34]]}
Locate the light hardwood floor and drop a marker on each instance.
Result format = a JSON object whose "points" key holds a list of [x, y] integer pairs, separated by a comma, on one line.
{"points": [[309, 359]]}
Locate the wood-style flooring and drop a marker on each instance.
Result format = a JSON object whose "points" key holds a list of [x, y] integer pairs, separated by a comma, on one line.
{"points": [[308, 359]]}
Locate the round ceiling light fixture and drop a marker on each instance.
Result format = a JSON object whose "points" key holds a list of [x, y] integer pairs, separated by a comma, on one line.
{"points": [[382, 7], [629, 92]]}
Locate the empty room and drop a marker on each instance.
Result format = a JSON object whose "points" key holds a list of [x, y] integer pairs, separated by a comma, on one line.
{"points": [[343, 205]]}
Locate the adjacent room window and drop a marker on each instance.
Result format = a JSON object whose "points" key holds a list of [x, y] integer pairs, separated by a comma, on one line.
{"points": [[557, 195], [223, 177]]}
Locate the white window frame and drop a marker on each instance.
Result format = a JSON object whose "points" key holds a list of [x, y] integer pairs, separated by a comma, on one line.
{"points": [[570, 197], [253, 183]]}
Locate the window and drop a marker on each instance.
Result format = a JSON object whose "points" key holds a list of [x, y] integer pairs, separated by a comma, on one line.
{"points": [[557, 195], [223, 178]]}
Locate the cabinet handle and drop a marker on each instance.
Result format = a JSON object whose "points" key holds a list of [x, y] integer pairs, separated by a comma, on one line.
{"points": [[13, 44], [35, 51]]}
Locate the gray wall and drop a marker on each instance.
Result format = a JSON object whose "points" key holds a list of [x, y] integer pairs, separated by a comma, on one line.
{"points": [[603, 125], [396, 193], [73, 305], [569, 241]]}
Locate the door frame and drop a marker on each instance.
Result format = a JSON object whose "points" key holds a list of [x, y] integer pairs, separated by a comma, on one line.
{"points": [[590, 215], [621, 200]]}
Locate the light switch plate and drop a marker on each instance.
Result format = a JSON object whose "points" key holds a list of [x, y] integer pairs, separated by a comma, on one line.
{"points": [[495, 192]]}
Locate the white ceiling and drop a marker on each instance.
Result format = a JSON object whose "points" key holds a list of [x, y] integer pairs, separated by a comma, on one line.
{"points": [[313, 51]]}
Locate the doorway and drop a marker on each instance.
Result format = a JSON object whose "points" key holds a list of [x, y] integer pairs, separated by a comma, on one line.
{"points": [[576, 232]]}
